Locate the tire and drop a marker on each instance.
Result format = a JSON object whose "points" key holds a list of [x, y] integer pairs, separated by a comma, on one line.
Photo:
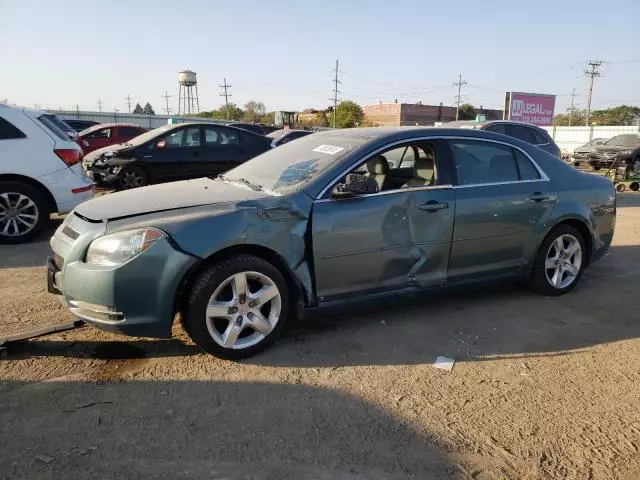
{"points": [[20, 203], [218, 284], [133, 177], [540, 280], [635, 186], [620, 187], [596, 166]]}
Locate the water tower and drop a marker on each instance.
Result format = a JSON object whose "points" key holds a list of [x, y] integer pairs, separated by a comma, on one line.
{"points": [[188, 102]]}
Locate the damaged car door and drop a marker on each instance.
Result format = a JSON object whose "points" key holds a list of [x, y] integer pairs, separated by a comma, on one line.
{"points": [[398, 237]]}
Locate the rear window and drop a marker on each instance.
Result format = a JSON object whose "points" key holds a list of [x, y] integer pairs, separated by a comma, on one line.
{"points": [[8, 131], [540, 137], [55, 125], [523, 133]]}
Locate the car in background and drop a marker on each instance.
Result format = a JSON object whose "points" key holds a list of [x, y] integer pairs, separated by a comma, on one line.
{"points": [[285, 135], [80, 125], [175, 152], [249, 127], [585, 151], [620, 144], [324, 221], [40, 172], [106, 134], [527, 133]]}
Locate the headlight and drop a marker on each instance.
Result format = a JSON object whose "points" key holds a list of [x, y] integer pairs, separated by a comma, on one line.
{"points": [[118, 248]]}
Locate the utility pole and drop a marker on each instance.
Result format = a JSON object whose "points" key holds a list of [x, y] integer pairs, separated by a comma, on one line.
{"points": [[573, 96], [458, 84], [226, 96], [335, 94], [99, 105], [128, 98], [77, 110], [592, 72], [166, 97]]}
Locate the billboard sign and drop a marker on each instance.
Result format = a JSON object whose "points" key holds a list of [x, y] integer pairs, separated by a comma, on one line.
{"points": [[532, 108]]}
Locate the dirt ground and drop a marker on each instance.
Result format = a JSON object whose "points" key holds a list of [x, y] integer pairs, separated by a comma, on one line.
{"points": [[542, 388]]}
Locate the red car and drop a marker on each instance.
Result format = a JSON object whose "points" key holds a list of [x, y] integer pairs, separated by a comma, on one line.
{"points": [[107, 134]]}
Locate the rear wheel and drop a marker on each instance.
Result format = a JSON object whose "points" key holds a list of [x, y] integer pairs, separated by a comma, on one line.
{"points": [[133, 177], [621, 187], [596, 165], [560, 262], [635, 186], [237, 307], [24, 212]]}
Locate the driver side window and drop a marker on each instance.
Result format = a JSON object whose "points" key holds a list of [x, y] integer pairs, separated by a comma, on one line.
{"points": [[407, 166]]}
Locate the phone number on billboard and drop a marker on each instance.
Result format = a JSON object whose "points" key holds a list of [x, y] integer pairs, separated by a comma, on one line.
{"points": [[536, 120]]}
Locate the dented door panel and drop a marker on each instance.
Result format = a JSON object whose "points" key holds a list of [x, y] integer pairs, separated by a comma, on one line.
{"points": [[381, 242]]}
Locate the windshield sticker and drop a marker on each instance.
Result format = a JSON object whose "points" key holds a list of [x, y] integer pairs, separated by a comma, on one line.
{"points": [[328, 149]]}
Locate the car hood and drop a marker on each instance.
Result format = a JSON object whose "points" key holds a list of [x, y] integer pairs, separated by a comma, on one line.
{"points": [[92, 156], [165, 197]]}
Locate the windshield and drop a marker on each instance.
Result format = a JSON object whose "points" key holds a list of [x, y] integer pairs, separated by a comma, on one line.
{"points": [[293, 165]]}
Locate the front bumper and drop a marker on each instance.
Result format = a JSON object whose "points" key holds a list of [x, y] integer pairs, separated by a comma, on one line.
{"points": [[135, 298]]}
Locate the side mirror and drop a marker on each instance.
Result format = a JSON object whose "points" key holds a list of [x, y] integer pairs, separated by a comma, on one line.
{"points": [[161, 144], [355, 185]]}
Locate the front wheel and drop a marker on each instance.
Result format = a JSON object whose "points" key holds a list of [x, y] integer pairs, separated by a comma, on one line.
{"points": [[560, 261], [237, 307], [133, 177]]}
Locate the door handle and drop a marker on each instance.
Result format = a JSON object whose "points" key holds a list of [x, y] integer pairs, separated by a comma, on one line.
{"points": [[432, 206], [538, 197]]}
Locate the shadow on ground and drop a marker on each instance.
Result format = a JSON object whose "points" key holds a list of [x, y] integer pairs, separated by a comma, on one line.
{"points": [[32, 254], [213, 430]]}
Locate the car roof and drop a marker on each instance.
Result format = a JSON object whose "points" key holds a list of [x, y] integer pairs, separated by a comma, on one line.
{"points": [[100, 126]]}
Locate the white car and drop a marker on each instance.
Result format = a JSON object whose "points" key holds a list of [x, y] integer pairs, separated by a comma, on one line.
{"points": [[40, 172]]}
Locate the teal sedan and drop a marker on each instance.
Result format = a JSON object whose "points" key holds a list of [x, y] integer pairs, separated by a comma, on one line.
{"points": [[334, 217]]}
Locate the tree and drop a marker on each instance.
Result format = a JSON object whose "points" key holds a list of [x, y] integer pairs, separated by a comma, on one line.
{"points": [[616, 116], [148, 109], [254, 111], [348, 114], [228, 112], [269, 118], [467, 112], [138, 110]]}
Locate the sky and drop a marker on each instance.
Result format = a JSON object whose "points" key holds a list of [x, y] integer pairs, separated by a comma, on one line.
{"points": [[283, 53]]}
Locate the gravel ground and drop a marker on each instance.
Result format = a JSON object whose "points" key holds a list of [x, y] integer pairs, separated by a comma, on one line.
{"points": [[542, 388]]}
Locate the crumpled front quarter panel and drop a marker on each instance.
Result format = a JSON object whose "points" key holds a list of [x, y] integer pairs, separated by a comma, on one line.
{"points": [[276, 223]]}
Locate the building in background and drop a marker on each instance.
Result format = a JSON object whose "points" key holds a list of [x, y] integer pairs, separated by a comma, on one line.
{"points": [[405, 114]]}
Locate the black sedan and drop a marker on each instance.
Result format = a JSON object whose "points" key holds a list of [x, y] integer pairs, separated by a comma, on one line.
{"points": [[285, 135], [175, 152]]}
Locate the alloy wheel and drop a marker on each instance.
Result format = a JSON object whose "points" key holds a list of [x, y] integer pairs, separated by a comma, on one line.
{"points": [[243, 310], [131, 179], [18, 214], [563, 261]]}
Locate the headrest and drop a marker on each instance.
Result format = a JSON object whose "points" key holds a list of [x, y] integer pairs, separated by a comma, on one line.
{"points": [[423, 167], [378, 165]]}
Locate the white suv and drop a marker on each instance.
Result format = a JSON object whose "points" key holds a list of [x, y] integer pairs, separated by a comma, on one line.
{"points": [[40, 172]]}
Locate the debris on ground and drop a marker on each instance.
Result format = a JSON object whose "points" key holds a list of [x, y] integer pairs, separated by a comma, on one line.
{"points": [[444, 363]]}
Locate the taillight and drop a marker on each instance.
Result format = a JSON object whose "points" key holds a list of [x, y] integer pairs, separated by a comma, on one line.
{"points": [[69, 156]]}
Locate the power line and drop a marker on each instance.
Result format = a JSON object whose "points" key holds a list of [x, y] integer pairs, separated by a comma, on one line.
{"points": [[166, 97], [128, 98], [592, 71], [401, 87], [226, 96], [573, 96], [458, 84], [335, 94]]}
